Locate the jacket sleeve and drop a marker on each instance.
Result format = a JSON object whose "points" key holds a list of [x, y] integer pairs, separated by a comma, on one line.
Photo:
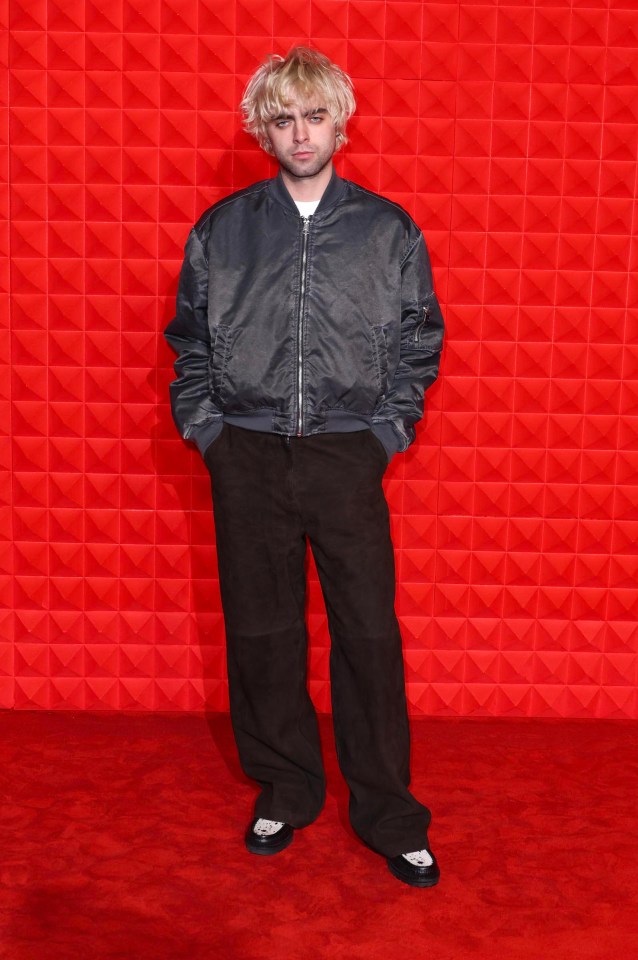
{"points": [[194, 411], [421, 342]]}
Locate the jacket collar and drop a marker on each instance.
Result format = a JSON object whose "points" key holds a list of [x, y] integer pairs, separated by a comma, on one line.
{"points": [[330, 197]]}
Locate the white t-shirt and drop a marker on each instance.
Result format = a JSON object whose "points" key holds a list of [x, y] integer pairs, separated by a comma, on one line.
{"points": [[307, 207]]}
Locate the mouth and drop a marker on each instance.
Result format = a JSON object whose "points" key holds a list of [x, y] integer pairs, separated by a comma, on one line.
{"points": [[303, 153]]}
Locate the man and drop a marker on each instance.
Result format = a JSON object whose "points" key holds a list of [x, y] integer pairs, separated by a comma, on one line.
{"points": [[307, 330]]}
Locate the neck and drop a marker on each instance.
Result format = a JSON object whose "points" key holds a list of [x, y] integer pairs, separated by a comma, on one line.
{"points": [[307, 188]]}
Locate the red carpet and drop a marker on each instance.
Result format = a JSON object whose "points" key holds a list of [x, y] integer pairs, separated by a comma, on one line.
{"points": [[121, 838]]}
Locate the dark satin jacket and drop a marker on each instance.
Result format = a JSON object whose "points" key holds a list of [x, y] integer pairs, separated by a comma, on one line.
{"points": [[300, 325]]}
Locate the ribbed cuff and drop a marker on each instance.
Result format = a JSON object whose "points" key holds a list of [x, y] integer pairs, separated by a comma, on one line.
{"points": [[203, 436], [386, 433]]}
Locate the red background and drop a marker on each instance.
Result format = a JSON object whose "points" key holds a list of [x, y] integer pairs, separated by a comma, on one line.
{"points": [[509, 132]]}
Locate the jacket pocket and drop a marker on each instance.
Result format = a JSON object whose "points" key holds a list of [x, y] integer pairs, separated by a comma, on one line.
{"points": [[380, 352], [218, 360]]}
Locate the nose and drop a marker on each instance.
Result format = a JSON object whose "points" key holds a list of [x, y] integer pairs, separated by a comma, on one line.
{"points": [[301, 131]]}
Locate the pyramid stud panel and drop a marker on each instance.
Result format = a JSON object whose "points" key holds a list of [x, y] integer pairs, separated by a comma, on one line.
{"points": [[508, 132]]}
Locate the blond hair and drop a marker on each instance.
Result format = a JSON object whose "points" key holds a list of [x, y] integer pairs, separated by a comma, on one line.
{"points": [[306, 73]]}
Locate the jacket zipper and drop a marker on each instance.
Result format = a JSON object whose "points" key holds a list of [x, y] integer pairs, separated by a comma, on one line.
{"points": [[417, 333], [302, 298]]}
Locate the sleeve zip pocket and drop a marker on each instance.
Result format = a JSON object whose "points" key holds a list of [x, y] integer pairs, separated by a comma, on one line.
{"points": [[419, 329]]}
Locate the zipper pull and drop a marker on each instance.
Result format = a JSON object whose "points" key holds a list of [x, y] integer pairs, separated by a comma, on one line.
{"points": [[306, 225], [417, 333]]}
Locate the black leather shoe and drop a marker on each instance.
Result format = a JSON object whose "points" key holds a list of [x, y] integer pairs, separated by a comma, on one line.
{"points": [[415, 874], [269, 844]]}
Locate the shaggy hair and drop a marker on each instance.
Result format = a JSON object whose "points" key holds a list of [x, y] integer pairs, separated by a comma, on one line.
{"points": [[303, 72]]}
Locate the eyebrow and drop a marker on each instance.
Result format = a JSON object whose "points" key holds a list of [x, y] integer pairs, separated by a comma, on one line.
{"points": [[307, 113]]}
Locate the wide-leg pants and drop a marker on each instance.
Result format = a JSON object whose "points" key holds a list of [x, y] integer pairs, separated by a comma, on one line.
{"points": [[271, 494]]}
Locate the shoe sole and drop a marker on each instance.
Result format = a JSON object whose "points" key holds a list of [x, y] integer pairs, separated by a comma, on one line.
{"points": [[413, 881], [270, 850]]}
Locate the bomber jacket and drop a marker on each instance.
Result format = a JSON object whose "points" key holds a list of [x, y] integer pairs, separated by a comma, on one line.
{"points": [[304, 325]]}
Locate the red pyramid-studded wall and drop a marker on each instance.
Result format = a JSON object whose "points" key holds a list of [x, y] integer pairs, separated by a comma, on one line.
{"points": [[508, 130]]}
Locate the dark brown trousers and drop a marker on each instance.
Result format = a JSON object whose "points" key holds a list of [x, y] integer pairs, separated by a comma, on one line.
{"points": [[270, 493]]}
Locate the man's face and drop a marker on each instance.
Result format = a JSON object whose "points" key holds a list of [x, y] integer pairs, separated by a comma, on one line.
{"points": [[303, 138]]}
